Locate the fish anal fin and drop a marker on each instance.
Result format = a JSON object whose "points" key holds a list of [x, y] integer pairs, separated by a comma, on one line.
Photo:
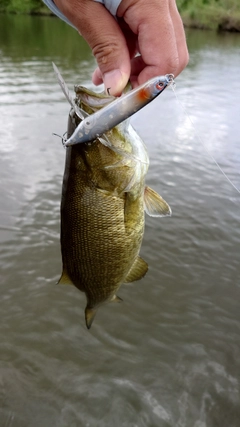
{"points": [[138, 270], [115, 298], [90, 313], [64, 279], [154, 204]]}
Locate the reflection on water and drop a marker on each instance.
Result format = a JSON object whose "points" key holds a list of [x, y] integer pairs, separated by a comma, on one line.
{"points": [[169, 355]]}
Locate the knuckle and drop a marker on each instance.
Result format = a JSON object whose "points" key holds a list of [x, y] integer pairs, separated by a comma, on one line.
{"points": [[105, 53]]}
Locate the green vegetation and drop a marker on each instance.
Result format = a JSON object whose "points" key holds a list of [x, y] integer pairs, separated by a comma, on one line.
{"points": [[211, 14], [23, 7], [208, 14]]}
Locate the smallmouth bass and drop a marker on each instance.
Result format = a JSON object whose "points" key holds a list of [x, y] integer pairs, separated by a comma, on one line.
{"points": [[104, 197]]}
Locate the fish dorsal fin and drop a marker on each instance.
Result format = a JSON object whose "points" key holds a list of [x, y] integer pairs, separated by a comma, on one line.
{"points": [[64, 279], [90, 313], [80, 113], [154, 204], [138, 270]]}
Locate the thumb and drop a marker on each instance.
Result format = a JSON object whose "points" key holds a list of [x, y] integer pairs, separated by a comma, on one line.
{"points": [[104, 36]]}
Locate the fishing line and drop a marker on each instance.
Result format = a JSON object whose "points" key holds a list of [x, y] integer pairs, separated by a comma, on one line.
{"points": [[63, 138], [201, 141]]}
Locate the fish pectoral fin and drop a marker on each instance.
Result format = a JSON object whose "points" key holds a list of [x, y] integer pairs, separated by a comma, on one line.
{"points": [[118, 164], [64, 279], [107, 143], [138, 270], [154, 204], [90, 313]]}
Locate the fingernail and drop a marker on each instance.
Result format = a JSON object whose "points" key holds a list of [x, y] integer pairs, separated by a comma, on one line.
{"points": [[114, 82]]}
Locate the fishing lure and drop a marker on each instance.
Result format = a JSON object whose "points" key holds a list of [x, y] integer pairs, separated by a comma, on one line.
{"points": [[120, 109]]}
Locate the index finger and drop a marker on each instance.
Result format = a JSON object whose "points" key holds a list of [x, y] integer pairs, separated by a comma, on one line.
{"points": [[161, 38]]}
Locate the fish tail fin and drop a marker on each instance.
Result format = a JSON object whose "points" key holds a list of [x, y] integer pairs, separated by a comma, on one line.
{"points": [[90, 313]]}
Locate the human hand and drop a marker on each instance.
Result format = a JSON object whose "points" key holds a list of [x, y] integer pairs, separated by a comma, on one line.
{"points": [[152, 29]]}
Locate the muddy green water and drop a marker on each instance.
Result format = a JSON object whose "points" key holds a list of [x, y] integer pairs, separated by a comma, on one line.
{"points": [[169, 355]]}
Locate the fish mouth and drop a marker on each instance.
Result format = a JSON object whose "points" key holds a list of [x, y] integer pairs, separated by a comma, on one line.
{"points": [[92, 100]]}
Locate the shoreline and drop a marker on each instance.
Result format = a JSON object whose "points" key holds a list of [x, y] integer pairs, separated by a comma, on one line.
{"points": [[212, 20], [201, 16]]}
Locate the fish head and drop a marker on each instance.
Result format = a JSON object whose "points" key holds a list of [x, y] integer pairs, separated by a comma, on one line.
{"points": [[91, 101], [121, 152]]}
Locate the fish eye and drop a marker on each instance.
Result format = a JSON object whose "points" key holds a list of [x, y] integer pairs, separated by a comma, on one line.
{"points": [[159, 85]]}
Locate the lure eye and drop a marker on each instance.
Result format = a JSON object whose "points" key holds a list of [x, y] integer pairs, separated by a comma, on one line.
{"points": [[159, 86]]}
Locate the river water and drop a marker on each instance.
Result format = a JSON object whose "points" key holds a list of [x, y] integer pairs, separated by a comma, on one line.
{"points": [[169, 355]]}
